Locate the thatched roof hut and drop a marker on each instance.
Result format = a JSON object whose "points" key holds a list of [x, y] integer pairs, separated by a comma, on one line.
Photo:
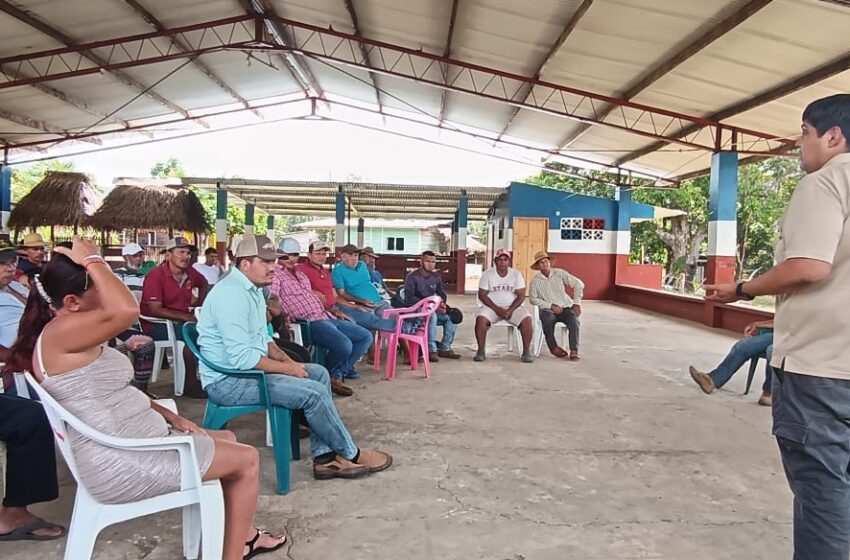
{"points": [[136, 206], [62, 198]]}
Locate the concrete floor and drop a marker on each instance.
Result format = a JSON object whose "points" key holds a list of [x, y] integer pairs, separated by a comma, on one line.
{"points": [[619, 456]]}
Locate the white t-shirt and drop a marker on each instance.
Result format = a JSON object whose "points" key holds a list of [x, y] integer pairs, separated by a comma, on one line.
{"points": [[500, 289], [211, 273]]}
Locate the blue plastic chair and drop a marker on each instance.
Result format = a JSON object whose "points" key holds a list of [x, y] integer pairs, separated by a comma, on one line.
{"points": [[318, 353], [216, 416], [754, 362]]}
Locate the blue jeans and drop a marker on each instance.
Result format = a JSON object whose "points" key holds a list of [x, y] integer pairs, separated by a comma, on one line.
{"points": [[449, 329], [742, 352], [312, 395], [371, 320], [346, 342], [810, 422]]}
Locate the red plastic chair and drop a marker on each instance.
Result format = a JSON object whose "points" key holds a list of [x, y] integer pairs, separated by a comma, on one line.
{"points": [[424, 309]]}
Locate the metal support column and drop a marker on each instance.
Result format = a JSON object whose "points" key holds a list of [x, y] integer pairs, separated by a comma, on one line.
{"points": [[249, 219], [460, 244], [221, 223]]}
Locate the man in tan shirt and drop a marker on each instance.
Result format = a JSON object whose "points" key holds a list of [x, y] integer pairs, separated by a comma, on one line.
{"points": [[811, 354], [548, 292]]}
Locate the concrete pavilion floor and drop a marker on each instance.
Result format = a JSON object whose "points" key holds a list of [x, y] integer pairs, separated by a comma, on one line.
{"points": [[617, 456]]}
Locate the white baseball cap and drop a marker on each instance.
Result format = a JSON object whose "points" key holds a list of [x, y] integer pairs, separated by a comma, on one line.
{"points": [[288, 246], [131, 249]]}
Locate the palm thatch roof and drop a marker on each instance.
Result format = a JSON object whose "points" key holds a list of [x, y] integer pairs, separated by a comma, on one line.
{"points": [[150, 207], [62, 198]]}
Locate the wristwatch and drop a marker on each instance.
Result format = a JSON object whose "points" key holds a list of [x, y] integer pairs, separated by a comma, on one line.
{"points": [[739, 291]]}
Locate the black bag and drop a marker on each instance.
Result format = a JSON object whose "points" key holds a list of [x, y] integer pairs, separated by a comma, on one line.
{"points": [[455, 315]]}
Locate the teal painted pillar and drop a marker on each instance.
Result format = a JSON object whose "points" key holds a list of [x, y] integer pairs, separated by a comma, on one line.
{"points": [[5, 196], [722, 218], [221, 223], [270, 227], [249, 219], [624, 234], [339, 232], [460, 244], [361, 232]]}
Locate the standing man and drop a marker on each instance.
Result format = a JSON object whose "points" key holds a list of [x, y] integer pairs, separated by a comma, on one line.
{"points": [[232, 332], [210, 268], [167, 294], [33, 253], [548, 292], [426, 282], [131, 274], [811, 389], [501, 292]]}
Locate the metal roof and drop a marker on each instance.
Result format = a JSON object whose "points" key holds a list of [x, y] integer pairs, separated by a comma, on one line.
{"points": [[650, 86]]}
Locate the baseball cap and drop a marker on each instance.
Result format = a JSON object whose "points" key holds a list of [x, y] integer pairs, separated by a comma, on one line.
{"points": [[502, 253], [349, 249], [256, 246], [318, 246], [131, 249], [288, 246], [176, 243]]}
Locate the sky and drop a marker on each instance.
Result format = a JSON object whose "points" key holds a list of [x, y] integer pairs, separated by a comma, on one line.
{"points": [[308, 150]]}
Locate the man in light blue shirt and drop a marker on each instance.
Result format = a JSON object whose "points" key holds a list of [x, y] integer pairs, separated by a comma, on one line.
{"points": [[13, 298], [233, 333], [353, 285]]}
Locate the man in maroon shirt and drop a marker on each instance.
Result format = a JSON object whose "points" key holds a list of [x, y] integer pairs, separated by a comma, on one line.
{"points": [[319, 276], [167, 294]]}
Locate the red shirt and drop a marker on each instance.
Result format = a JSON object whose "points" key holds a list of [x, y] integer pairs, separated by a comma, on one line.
{"points": [[161, 287], [320, 280]]}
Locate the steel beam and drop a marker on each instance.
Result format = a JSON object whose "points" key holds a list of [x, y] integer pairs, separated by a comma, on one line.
{"points": [[178, 43], [553, 50], [668, 65], [349, 5], [43, 126], [446, 54], [71, 43]]}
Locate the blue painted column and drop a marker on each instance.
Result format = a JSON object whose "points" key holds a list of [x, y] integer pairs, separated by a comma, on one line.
{"points": [[249, 219], [339, 233], [460, 244], [221, 223], [361, 232], [624, 234], [5, 196], [270, 227], [722, 218]]}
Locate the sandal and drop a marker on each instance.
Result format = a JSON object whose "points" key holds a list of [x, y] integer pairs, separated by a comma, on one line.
{"points": [[252, 544], [28, 532]]}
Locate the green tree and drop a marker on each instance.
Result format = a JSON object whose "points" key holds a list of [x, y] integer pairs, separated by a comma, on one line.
{"points": [[27, 177], [171, 167]]}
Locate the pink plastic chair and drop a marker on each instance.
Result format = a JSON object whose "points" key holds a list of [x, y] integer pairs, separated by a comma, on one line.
{"points": [[423, 309]]}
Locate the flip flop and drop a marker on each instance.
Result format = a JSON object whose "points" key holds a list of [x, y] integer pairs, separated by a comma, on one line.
{"points": [[27, 532], [253, 542]]}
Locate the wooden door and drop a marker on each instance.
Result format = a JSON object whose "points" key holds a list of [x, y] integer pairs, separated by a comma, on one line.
{"points": [[530, 235]]}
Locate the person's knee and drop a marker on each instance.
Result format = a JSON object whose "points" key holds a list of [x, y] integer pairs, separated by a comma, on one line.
{"points": [[250, 460], [482, 322], [227, 435]]}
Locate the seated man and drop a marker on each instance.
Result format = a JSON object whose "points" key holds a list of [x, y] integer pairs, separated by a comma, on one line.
{"points": [[368, 256], [233, 333], [752, 345], [548, 292], [30, 470], [345, 341], [210, 268], [501, 291], [131, 274], [167, 294], [33, 253], [13, 299], [425, 282]]}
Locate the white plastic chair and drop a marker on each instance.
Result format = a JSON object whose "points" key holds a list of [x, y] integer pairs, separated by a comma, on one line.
{"points": [[514, 336], [164, 346], [538, 338], [202, 502]]}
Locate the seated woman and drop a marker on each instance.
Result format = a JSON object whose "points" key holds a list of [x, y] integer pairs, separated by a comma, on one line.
{"points": [[75, 307]]}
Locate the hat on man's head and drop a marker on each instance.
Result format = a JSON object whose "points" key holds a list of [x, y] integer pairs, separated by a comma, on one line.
{"points": [[369, 251], [502, 253], [538, 256], [32, 240], [177, 243], [7, 252], [256, 246], [289, 246], [131, 249], [318, 246], [349, 249]]}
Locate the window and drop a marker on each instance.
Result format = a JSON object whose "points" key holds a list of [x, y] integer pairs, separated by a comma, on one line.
{"points": [[395, 243]]}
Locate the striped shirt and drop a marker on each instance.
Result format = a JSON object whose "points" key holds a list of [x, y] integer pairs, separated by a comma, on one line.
{"points": [[296, 295], [546, 292]]}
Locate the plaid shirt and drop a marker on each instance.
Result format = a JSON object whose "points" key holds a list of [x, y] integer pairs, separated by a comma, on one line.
{"points": [[296, 296]]}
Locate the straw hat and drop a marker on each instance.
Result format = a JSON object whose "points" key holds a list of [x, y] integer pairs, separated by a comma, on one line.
{"points": [[32, 240], [538, 256]]}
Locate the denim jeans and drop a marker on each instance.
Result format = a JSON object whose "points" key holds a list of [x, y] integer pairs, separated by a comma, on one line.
{"points": [[548, 319], [346, 342], [371, 320], [811, 422], [449, 329], [741, 353], [312, 395]]}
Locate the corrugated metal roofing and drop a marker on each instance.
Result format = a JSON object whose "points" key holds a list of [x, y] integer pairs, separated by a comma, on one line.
{"points": [[746, 63]]}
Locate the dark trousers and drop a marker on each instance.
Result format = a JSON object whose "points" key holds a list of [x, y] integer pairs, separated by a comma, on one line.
{"points": [[811, 422], [567, 317], [30, 454]]}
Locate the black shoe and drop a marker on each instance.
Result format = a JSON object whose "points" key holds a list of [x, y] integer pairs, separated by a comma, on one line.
{"points": [[194, 393]]}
